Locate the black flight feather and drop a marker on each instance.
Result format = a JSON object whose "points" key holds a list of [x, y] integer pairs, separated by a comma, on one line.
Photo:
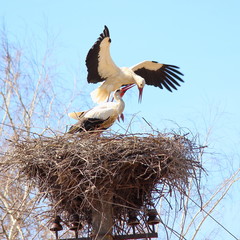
{"points": [[92, 59], [167, 76]]}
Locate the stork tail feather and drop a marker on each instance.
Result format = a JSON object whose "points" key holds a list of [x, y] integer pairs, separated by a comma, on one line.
{"points": [[100, 95]]}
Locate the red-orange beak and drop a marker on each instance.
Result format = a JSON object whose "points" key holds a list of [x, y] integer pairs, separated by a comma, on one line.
{"points": [[140, 95], [124, 89]]}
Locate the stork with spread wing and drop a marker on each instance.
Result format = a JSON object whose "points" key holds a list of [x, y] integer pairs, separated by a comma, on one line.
{"points": [[101, 68]]}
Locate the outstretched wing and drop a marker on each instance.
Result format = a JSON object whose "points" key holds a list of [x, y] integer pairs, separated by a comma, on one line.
{"points": [[98, 61], [159, 75]]}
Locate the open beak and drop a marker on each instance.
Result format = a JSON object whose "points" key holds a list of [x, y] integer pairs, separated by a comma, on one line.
{"points": [[124, 89], [140, 95]]}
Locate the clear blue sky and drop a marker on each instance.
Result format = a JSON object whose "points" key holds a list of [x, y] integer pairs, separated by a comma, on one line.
{"points": [[202, 37]]}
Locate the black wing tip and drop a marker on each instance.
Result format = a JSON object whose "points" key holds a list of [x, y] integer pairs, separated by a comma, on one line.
{"points": [[74, 129], [104, 34], [106, 31], [173, 68], [171, 76], [92, 58]]}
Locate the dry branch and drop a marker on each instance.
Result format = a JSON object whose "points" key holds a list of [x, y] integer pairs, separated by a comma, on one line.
{"points": [[74, 171]]}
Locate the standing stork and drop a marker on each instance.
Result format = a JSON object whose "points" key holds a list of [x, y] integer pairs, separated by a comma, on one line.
{"points": [[100, 117], [101, 68]]}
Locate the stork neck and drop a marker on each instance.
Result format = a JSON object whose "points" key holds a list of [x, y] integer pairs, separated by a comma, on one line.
{"points": [[120, 104]]}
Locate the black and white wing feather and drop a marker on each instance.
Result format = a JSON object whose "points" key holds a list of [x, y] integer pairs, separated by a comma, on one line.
{"points": [[98, 61], [89, 124], [159, 75]]}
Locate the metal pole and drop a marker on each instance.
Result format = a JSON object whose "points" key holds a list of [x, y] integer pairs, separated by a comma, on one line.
{"points": [[56, 234], [102, 218], [76, 233]]}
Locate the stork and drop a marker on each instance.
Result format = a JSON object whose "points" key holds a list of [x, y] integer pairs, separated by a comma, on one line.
{"points": [[101, 68], [102, 116]]}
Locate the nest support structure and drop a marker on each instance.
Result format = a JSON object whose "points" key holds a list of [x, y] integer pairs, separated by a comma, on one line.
{"points": [[76, 173]]}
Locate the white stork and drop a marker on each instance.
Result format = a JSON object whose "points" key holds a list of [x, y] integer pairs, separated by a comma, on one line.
{"points": [[101, 68], [102, 116]]}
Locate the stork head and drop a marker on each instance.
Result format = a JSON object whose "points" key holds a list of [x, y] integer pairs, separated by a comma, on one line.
{"points": [[140, 83], [120, 92]]}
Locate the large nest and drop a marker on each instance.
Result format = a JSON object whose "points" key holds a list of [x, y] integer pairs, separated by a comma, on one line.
{"points": [[137, 170]]}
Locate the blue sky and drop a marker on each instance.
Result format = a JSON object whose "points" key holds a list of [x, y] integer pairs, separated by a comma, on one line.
{"points": [[201, 37]]}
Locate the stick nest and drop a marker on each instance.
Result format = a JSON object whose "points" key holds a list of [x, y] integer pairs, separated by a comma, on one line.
{"points": [[136, 170]]}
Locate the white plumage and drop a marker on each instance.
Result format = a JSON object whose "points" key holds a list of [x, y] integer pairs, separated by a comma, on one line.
{"points": [[100, 117], [101, 68]]}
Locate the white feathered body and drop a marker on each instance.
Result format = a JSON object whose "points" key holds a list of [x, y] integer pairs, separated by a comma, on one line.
{"points": [[104, 115], [101, 68], [123, 76]]}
